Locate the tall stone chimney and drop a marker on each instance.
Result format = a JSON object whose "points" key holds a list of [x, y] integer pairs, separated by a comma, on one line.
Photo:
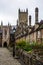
{"points": [[29, 20], [19, 10], [1, 23], [36, 15], [17, 23], [27, 11], [8, 23]]}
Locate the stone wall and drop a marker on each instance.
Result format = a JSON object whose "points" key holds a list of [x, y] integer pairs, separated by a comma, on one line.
{"points": [[28, 59]]}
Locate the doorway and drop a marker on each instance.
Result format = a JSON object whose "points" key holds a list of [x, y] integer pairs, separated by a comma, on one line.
{"points": [[5, 44]]}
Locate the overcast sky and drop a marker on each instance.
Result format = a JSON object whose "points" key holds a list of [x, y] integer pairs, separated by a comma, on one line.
{"points": [[9, 9]]}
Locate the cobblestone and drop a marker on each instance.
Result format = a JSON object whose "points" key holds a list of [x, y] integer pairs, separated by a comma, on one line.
{"points": [[6, 58]]}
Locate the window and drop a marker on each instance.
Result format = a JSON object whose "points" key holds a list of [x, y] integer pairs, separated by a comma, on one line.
{"points": [[38, 34], [5, 32]]}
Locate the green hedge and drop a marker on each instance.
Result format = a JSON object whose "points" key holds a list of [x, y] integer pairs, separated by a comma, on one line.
{"points": [[21, 44], [28, 47]]}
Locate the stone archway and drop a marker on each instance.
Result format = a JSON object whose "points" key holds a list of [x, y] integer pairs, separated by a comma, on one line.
{"points": [[5, 44]]}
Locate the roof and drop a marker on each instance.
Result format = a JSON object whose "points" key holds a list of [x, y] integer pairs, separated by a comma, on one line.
{"points": [[32, 29], [41, 26], [41, 22], [1, 31]]}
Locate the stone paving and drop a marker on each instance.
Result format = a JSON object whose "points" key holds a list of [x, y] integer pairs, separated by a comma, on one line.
{"points": [[6, 58]]}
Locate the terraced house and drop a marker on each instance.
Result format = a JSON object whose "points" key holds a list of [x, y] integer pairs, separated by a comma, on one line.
{"points": [[28, 32]]}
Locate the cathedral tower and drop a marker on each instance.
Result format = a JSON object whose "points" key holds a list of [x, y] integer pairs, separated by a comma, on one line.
{"points": [[23, 17]]}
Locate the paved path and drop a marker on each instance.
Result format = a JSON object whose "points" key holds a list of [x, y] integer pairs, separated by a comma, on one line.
{"points": [[6, 58]]}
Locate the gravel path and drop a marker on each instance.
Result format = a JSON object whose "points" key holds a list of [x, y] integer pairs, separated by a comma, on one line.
{"points": [[6, 58]]}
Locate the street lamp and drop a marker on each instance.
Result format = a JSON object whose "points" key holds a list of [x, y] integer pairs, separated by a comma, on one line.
{"points": [[14, 42]]}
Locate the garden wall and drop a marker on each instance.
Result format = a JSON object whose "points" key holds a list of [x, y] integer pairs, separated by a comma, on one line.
{"points": [[28, 59]]}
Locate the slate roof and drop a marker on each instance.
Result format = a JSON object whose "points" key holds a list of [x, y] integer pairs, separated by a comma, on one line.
{"points": [[41, 22], [32, 30], [39, 28], [40, 25]]}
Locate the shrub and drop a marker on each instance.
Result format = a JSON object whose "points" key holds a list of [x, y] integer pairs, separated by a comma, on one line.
{"points": [[21, 44], [37, 46], [28, 47], [17, 47]]}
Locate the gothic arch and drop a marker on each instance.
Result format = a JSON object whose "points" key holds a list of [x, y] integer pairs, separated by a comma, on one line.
{"points": [[5, 44]]}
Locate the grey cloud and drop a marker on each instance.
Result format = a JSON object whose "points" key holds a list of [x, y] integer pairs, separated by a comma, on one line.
{"points": [[10, 8]]}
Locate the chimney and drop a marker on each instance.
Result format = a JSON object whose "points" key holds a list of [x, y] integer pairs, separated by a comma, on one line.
{"points": [[1, 23], [36, 15], [19, 10], [17, 23], [29, 20], [19, 15], [8, 23], [27, 11]]}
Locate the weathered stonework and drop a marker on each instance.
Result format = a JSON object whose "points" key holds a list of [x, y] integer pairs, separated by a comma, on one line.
{"points": [[4, 35], [29, 32]]}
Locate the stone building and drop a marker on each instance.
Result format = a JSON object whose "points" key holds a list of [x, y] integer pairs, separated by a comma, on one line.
{"points": [[22, 24], [5, 34], [28, 32], [23, 17], [0, 37]]}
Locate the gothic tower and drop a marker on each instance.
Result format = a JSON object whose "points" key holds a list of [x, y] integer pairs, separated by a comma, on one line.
{"points": [[23, 17]]}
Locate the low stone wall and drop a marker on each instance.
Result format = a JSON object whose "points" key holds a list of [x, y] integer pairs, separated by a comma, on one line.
{"points": [[28, 59], [23, 56]]}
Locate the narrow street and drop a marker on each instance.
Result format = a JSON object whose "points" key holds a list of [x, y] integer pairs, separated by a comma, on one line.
{"points": [[6, 58]]}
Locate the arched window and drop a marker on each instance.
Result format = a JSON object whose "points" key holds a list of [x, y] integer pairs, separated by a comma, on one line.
{"points": [[38, 34], [5, 32]]}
